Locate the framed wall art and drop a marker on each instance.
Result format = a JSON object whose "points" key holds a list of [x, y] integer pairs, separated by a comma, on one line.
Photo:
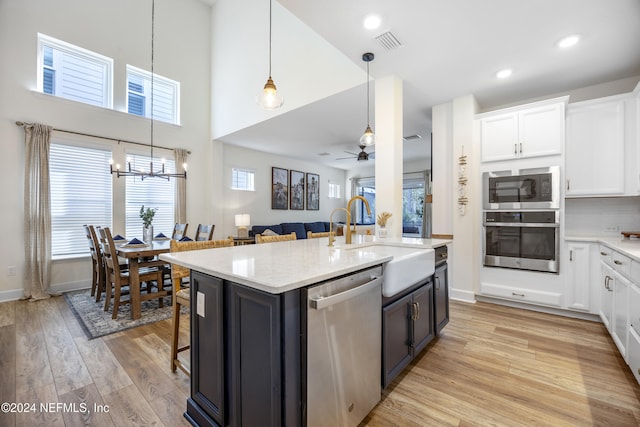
{"points": [[296, 190], [279, 188], [313, 192]]}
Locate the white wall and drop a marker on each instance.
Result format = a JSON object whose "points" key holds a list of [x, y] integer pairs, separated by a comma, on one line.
{"points": [[119, 29], [258, 203]]}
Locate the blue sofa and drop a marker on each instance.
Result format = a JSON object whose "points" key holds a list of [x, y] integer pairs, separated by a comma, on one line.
{"points": [[300, 228]]}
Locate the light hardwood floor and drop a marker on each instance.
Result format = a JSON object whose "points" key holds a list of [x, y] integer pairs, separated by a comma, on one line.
{"points": [[492, 365]]}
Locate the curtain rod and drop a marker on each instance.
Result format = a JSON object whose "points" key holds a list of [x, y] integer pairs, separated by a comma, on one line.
{"points": [[19, 123]]}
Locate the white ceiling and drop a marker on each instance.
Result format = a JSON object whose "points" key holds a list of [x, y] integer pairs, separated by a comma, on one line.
{"points": [[449, 49]]}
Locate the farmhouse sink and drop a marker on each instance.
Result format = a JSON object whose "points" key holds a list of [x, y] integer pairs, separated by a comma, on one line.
{"points": [[408, 266]]}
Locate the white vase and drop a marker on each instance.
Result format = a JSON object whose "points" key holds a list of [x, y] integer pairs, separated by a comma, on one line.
{"points": [[147, 234], [382, 232]]}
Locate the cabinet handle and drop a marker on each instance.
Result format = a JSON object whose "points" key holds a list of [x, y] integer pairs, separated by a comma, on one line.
{"points": [[515, 149], [568, 185], [517, 294], [521, 148], [617, 262], [604, 254], [571, 255], [417, 311], [437, 283], [414, 312]]}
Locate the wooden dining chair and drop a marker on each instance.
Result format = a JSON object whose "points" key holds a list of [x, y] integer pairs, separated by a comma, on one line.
{"points": [[279, 238], [97, 265], [179, 231], [204, 232], [182, 295], [117, 279]]}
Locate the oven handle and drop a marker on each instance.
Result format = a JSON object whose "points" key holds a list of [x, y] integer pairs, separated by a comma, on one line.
{"points": [[521, 224]]}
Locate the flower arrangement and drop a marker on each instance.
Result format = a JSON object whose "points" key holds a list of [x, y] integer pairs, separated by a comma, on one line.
{"points": [[383, 218], [147, 215]]}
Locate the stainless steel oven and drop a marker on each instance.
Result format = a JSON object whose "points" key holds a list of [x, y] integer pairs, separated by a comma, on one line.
{"points": [[526, 240], [537, 188]]}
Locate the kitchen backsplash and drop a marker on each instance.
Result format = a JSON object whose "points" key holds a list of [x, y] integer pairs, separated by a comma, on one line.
{"points": [[606, 216]]}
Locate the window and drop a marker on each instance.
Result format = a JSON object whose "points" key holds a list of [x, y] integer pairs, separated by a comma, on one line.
{"points": [[78, 200], [334, 190], [166, 95], [365, 187], [74, 73], [155, 193], [242, 179]]}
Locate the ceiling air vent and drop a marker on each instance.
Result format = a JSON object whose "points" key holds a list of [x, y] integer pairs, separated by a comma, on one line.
{"points": [[412, 137], [388, 41]]}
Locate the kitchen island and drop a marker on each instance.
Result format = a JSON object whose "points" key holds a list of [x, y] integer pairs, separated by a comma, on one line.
{"points": [[248, 323]]}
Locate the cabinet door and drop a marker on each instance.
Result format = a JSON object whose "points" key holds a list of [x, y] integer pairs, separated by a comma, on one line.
{"points": [[396, 339], [441, 296], [423, 330], [541, 131], [254, 350], [620, 316], [499, 136], [606, 295], [595, 149], [634, 353], [207, 349], [579, 272]]}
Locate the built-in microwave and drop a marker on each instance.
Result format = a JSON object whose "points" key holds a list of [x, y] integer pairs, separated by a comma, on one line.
{"points": [[536, 188]]}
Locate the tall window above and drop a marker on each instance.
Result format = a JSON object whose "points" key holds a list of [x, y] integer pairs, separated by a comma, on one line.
{"points": [[74, 73], [155, 193], [242, 179], [76, 201], [166, 96], [334, 190]]}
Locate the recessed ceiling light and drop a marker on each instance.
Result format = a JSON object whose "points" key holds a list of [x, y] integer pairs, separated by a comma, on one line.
{"points": [[503, 74], [569, 41], [372, 22]]}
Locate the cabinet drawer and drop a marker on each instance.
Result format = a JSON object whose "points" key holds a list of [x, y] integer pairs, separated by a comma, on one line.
{"points": [[621, 263], [605, 255], [634, 353], [520, 294]]}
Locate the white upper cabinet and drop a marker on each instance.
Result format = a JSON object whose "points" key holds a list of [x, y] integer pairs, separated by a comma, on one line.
{"points": [[595, 151], [530, 130]]}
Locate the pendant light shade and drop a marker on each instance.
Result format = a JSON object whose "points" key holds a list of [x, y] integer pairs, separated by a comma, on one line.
{"points": [[269, 98], [368, 137]]}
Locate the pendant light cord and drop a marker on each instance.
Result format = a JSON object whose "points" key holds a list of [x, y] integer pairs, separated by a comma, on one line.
{"points": [[270, 26], [153, 17], [368, 112]]}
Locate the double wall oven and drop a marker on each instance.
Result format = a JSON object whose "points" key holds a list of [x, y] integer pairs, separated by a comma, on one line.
{"points": [[521, 219]]}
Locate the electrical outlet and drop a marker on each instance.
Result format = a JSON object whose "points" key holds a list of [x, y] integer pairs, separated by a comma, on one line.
{"points": [[11, 270], [611, 228]]}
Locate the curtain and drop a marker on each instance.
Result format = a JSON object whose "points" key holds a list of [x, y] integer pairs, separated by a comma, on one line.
{"points": [[180, 213], [37, 212]]}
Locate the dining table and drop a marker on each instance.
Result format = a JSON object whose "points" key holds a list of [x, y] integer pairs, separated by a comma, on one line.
{"points": [[137, 257]]}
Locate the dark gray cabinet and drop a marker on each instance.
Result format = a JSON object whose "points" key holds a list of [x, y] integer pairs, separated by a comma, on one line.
{"points": [[441, 297], [245, 355], [407, 328]]}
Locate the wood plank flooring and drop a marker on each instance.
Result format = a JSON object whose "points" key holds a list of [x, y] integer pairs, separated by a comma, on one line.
{"points": [[492, 365]]}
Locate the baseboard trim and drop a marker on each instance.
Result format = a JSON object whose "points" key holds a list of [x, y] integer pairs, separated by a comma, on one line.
{"points": [[541, 309], [16, 294], [462, 295]]}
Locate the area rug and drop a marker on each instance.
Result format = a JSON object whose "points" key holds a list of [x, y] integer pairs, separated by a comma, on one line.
{"points": [[97, 323]]}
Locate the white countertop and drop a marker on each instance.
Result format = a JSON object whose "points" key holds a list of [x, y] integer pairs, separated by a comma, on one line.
{"points": [[283, 266], [629, 247]]}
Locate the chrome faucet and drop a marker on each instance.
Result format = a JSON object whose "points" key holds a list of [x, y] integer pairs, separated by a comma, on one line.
{"points": [[366, 203], [332, 236]]}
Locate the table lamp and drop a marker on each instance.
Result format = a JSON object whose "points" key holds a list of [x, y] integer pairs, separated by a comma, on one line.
{"points": [[242, 222]]}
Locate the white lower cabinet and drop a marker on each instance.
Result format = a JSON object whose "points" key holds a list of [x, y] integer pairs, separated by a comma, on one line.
{"points": [[606, 294], [579, 276], [620, 316], [634, 353]]}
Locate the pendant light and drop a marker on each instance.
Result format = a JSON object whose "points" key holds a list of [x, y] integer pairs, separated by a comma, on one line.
{"points": [[269, 98], [150, 173], [368, 137]]}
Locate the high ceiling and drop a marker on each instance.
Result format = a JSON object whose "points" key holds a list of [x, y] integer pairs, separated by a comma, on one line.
{"points": [[450, 49]]}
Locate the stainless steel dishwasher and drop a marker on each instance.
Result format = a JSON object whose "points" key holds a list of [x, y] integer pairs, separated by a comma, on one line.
{"points": [[344, 349]]}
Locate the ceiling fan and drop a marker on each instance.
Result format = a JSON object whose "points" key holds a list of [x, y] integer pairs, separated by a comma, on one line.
{"points": [[361, 156]]}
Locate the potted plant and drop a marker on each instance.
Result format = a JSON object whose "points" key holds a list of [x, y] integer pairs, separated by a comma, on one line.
{"points": [[147, 219], [382, 222]]}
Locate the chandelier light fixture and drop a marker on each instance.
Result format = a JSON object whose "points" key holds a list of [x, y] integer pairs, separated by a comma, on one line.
{"points": [[368, 137], [151, 173], [269, 98]]}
